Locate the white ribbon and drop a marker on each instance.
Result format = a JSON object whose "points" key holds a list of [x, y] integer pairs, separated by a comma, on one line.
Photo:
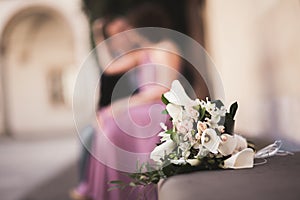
{"points": [[272, 150]]}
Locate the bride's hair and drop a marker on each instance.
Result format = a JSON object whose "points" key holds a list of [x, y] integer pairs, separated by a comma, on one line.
{"points": [[149, 15]]}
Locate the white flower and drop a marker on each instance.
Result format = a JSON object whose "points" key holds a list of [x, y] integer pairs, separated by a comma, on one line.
{"points": [[177, 95], [231, 144], [201, 126], [241, 143], [210, 140], [209, 107], [198, 136], [242, 159], [175, 112], [221, 129], [193, 162], [222, 111], [180, 161], [189, 137], [202, 151], [185, 147], [163, 126], [186, 126], [227, 145], [164, 136], [161, 150], [213, 121], [191, 112], [219, 112], [181, 128]]}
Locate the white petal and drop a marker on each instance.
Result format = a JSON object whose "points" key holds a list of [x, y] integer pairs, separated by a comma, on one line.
{"points": [[164, 136], [213, 143], [242, 159], [174, 111], [178, 162], [163, 126], [193, 162], [178, 96], [161, 150], [227, 147], [241, 143]]}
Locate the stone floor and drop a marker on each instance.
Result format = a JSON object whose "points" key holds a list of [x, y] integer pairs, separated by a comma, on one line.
{"points": [[57, 188], [38, 169], [46, 168]]}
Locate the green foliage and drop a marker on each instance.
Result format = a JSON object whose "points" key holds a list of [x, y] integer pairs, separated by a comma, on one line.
{"points": [[164, 100], [233, 109], [150, 174], [165, 112], [146, 174], [202, 114], [229, 118]]}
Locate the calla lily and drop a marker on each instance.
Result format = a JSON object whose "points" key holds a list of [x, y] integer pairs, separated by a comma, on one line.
{"points": [[241, 143], [161, 150], [178, 96], [240, 160], [227, 144], [210, 140], [175, 112], [193, 162]]}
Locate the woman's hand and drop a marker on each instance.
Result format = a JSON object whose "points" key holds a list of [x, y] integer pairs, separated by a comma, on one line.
{"points": [[97, 29]]}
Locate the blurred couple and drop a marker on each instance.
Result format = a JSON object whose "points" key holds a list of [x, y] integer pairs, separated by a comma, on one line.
{"points": [[130, 105]]}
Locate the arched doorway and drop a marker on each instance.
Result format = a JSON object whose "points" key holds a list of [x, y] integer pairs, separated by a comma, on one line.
{"points": [[37, 56]]}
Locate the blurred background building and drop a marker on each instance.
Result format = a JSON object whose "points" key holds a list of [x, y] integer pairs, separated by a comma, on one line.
{"points": [[255, 46], [42, 46]]}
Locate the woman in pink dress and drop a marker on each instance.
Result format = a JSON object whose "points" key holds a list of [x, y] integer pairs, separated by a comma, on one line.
{"points": [[128, 127]]}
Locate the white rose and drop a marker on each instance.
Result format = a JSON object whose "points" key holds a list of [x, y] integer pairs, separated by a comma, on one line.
{"points": [[161, 150]]}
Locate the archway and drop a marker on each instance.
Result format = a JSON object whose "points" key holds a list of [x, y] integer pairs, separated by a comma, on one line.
{"points": [[37, 56]]}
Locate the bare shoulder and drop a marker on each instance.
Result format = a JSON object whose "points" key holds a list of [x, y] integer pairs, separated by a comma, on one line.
{"points": [[168, 45], [166, 53]]}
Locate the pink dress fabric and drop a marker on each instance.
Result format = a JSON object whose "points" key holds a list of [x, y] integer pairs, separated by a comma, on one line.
{"points": [[122, 141]]}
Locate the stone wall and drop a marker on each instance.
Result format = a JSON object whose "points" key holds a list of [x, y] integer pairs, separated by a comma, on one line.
{"points": [[256, 45], [41, 41]]}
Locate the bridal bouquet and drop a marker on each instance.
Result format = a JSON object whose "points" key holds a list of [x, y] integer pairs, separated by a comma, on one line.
{"points": [[200, 138]]}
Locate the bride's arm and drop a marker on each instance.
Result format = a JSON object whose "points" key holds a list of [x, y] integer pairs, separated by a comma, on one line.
{"points": [[117, 65], [167, 69], [112, 64]]}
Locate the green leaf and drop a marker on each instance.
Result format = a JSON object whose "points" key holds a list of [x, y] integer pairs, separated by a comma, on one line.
{"points": [[229, 123], [165, 112], [116, 182], [174, 137], [164, 100], [233, 109], [170, 131], [113, 188], [202, 113]]}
